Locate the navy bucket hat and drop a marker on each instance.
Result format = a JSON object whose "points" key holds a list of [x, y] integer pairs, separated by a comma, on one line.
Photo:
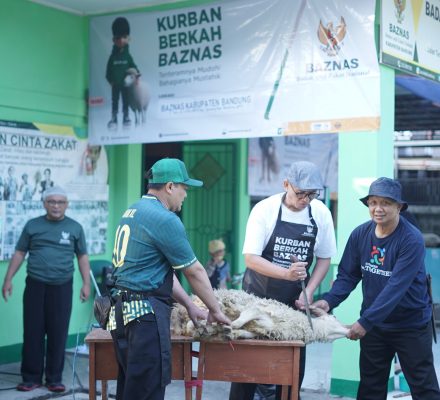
{"points": [[386, 187]]}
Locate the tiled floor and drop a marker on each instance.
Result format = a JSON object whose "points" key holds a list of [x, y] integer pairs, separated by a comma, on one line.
{"points": [[315, 386]]}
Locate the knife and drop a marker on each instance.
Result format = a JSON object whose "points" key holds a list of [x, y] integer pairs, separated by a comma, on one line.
{"points": [[294, 259]]}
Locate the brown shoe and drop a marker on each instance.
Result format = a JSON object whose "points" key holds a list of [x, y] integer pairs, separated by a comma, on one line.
{"points": [[27, 386], [56, 387]]}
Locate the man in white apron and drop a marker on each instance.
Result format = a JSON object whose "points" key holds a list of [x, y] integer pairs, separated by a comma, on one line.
{"points": [[291, 223]]}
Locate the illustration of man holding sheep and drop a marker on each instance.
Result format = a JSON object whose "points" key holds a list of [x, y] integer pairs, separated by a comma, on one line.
{"points": [[118, 63]]}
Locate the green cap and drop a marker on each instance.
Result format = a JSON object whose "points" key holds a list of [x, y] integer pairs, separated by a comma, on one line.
{"points": [[172, 170]]}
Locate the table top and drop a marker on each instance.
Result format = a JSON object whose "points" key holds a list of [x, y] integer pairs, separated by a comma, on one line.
{"points": [[101, 335]]}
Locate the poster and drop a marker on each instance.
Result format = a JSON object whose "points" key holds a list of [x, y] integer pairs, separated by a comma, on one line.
{"points": [[409, 36], [34, 157], [233, 69], [269, 161]]}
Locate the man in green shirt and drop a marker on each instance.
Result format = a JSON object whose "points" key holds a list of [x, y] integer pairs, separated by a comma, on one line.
{"points": [[150, 244], [52, 241]]}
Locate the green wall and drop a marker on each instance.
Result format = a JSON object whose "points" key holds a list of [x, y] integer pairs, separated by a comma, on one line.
{"points": [[44, 75], [45, 80], [363, 157], [44, 64]]}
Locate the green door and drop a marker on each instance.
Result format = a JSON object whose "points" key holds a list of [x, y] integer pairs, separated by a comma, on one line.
{"points": [[209, 212]]}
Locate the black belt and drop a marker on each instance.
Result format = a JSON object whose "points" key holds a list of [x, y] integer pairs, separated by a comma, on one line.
{"points": [[126, 295]]}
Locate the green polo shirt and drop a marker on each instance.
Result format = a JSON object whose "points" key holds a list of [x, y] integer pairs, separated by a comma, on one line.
{"points": [[149, 241]]}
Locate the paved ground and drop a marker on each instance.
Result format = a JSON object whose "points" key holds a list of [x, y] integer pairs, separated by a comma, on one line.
{"points": [[315, 387]]}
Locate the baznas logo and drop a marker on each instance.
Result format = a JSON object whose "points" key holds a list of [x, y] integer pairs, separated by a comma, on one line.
{"points": [[331, 37], [377, 256], [65, 238], [400, 7]]}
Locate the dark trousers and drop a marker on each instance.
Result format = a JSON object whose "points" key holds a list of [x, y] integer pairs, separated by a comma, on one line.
{"points": [[140, 367], [116, 91], [414, 349], [246, 391], [46, 313]]}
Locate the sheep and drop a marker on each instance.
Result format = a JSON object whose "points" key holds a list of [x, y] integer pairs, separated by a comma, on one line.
{"points": [[257, 318], [138, 94]]}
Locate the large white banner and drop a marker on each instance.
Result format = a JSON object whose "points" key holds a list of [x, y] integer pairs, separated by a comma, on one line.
{"points": [[269, 161], [233, 69], [410, 32], [34, 157]]}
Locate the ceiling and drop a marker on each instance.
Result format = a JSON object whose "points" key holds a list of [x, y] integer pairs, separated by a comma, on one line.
{"points": [[90, 7]]}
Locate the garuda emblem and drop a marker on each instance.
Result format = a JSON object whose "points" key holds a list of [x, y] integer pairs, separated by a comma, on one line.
{"points": [[331, 37], [400, 7]]}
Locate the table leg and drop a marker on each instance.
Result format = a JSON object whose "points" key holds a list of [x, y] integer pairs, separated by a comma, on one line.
{"points": [[284, 392], [295, 374], [201, 370], [92, 372], [104, 395], [187, 369]]}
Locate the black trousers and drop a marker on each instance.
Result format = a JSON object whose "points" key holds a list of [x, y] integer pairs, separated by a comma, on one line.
{"points": [[140, 368], [414, 349], [246, 391], [46, 313], [123, 92]]}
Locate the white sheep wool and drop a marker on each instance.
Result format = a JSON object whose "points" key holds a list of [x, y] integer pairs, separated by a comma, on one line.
{"points": [[257, 318]]}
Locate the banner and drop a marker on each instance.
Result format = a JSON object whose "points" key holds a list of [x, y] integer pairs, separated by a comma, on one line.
{"points": [[34, 157], [270, 158], [409, 36], [233, 69]]}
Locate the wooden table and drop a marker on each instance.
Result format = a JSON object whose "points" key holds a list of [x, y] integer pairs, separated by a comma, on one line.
{"points": [[253, 361], [104, 367]]}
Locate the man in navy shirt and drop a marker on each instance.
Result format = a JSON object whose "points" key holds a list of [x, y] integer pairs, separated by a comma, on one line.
{"points": [[387, 254]]}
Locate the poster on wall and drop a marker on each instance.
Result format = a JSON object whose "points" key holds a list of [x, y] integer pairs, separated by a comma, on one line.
{"points": [[233, 69], [409, 36], [269, 161], [34, 157]]}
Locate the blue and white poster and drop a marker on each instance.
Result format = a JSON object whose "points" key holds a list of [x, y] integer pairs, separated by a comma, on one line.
{"points": [[233, 69], [34, 157]]}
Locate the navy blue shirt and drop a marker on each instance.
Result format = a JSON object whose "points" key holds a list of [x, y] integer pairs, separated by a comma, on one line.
{"points": [[393, 275]]}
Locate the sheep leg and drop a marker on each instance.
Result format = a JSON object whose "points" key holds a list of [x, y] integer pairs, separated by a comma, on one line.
{"points": [[253, 314], [240, 334]]}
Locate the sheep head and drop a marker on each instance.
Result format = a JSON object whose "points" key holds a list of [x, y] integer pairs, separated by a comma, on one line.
{"points": [[131, 77], [327, 328]]}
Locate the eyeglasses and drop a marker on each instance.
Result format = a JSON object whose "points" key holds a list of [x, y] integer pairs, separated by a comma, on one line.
{"points": [[303, 195], [56, 203]]}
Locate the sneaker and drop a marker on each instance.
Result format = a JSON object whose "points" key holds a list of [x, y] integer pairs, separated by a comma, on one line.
{"points": [[126, 121], [113, 123], [27, 386], [56, 387]]}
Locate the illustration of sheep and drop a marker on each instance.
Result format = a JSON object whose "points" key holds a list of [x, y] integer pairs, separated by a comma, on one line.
{"points": [[138, 95], [257, 318]]}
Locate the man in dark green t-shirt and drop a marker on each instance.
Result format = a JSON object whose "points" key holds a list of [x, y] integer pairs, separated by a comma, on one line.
{"points": [[150, 244], [52, 241]]}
